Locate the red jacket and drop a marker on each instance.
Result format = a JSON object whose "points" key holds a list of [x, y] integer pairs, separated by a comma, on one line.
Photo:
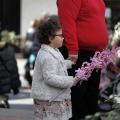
{"points": [[83, 24]]}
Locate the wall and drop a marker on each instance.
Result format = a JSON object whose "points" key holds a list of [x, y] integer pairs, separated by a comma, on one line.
{"points": [[32, 9]]}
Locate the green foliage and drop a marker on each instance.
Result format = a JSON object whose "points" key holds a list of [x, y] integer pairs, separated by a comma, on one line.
{"points": [[116, 34], [94, 117], [114, 37], [115, 114], [112, 115], [10, 37]]}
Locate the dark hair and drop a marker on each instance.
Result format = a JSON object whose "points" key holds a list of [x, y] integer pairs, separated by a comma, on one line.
{"points": [[46, 30]]}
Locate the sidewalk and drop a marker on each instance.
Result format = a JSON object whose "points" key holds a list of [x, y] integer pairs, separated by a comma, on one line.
{"points": [[11, 114]]}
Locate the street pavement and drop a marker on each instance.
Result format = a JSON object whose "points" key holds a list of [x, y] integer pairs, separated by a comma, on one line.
{"points": [[13, 114], [21, 100]]}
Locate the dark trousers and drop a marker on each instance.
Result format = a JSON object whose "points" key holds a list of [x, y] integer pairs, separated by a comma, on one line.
{"points": [[84, 97]]}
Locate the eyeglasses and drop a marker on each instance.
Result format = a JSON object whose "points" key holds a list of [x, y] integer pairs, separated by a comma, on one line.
{"points": [[60, 35]]}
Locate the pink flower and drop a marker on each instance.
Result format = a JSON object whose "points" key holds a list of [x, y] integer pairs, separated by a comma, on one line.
{"points": [[99, 61]]}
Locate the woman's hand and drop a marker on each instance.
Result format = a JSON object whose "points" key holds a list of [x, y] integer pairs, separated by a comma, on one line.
{"points": [[73, 58], [73, 63], [75, 81]]}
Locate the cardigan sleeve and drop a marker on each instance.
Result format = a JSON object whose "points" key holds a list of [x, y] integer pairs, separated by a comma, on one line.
{"points": [[68, 64], [68, 11], [49, 70]]}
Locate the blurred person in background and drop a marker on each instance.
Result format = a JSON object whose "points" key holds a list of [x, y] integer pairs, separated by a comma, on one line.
{"points": [[9, 76], [85, 32], [45, 16], [30, 36]]}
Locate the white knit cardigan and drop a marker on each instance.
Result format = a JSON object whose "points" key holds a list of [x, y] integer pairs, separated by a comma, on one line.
{"points": [[50, 75]]}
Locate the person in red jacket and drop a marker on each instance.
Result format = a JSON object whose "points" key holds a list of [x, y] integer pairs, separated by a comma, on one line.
{"points": [[85, 32]]}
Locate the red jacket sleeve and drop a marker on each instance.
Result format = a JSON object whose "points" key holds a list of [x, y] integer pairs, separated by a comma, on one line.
{"points": [[68, 11]]}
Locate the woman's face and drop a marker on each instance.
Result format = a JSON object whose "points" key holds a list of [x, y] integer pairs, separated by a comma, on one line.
{"points": [[57, 41]]}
